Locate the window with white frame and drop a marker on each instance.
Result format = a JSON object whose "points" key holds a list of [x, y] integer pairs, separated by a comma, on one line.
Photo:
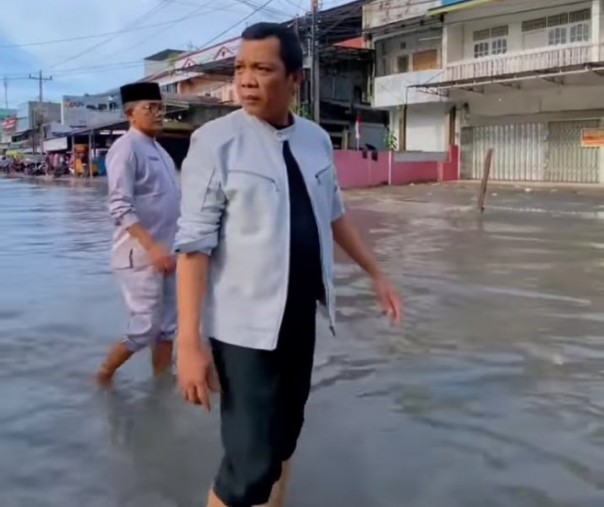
{"points": [[170, 88], [580, 33], [490, 41], [567, 27], [402, 64], [499, 46], [400, 55], [481, 49], [557, 36]]}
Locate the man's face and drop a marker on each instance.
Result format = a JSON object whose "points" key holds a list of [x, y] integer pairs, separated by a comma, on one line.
{"points": [[148, 116], [262, 83]]}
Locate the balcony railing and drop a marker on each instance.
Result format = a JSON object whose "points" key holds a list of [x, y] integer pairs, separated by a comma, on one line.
{"points": [[398, 89], [521, 62]]}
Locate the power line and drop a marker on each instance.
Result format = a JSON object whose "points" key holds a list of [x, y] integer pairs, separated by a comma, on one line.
{"points": [[227, 30], [135, 63], [148, 13], [269, 10], [95, 36], [186, 17], [235, 25], [128, 28], [247, 3]]}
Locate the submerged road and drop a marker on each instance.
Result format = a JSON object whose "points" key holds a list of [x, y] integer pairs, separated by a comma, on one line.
{"points": [[491, 395]]}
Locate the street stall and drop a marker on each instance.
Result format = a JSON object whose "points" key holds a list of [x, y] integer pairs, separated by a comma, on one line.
{"points": [[183, 115]]}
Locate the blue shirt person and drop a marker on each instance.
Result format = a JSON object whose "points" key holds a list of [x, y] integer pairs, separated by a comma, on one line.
{"points": [[144, 203]]}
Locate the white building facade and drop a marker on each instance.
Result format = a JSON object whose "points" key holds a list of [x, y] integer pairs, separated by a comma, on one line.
{"points": [[527, 79], [409, 52]]}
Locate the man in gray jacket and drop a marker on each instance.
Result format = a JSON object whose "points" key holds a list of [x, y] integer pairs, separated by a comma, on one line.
{"points": [[260, 211]]}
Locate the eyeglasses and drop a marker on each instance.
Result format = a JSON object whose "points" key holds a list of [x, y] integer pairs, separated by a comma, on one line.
{"points": [[154, 108]]}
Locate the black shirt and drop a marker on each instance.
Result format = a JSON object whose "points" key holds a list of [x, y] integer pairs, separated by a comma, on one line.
{"points": [[305, 273]]}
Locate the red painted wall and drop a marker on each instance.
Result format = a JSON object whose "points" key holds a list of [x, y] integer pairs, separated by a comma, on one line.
{"points": [[354, 171]]}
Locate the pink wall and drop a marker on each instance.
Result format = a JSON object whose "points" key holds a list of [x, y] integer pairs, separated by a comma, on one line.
{"points": [[354, 171]]}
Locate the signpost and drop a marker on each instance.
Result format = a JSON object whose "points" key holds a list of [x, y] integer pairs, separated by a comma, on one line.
{"points": [[592, 138]]}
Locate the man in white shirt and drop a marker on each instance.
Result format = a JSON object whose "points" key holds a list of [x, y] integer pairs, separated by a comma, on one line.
{"points": [[144, 202]]}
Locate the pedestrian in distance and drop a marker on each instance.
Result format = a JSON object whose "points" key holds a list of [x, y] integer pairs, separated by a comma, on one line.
{"points": [[144, 203], [261, 209]]}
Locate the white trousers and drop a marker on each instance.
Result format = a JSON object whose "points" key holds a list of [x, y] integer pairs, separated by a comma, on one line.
{"points": [[150, 297]]}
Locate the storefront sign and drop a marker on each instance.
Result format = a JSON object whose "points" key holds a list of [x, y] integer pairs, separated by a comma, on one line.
{"points": [[9, 124], [454, 5], [89, 110], [592, 138], [57, 144], [384, 12]]}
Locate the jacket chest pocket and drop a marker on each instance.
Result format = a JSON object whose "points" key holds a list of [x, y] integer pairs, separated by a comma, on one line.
{"points": [[250, 184], [324, 177], [253, 200], [323, 186]]}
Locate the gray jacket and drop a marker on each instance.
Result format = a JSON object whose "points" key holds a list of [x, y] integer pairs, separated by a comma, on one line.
{"points": [[235, 208]]}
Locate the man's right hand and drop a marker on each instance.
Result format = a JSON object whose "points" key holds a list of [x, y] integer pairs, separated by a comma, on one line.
{"points": [[196, 375], [161, 258]]}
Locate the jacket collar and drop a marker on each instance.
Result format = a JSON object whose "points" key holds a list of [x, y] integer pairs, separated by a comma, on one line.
{"points": [[281, 134]]}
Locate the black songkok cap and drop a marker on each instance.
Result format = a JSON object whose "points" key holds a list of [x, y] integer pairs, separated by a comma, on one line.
{"points": [[140, 91]]}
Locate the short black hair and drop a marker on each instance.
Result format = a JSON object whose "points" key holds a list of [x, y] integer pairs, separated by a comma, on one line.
{"points": [[291, 48]]}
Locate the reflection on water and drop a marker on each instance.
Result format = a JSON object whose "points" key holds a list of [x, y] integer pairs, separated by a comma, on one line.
{"points": [[490, 395]]}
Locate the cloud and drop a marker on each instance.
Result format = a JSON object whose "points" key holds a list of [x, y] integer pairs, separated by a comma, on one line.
{"points": [[84, 73]]}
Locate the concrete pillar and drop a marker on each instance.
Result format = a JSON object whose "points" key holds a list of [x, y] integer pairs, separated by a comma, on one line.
{"points": [[444, 51], [601, 158], [596, 22]]}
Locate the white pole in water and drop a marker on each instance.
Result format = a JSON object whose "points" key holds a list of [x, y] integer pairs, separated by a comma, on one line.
{"points": [[389, 167]]}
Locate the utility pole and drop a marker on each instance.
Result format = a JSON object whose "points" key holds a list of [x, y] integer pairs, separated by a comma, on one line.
{"points": [[297, 102], [39, 113], [315, 77], [5, 82]]}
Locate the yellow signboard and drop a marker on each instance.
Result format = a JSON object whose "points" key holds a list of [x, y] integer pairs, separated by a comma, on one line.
{"points": [[592, 138]]}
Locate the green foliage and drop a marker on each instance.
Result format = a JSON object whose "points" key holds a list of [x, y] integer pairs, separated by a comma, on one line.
{"points": [[390, 141]]}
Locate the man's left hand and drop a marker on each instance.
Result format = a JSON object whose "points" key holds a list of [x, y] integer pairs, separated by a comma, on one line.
{"points": [[389, 298]]}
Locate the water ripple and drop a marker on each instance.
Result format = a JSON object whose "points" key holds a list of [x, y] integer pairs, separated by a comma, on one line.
{"points": [[491, 394]]}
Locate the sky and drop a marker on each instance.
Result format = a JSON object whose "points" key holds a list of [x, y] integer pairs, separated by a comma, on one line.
{"points": [[96, 59]]}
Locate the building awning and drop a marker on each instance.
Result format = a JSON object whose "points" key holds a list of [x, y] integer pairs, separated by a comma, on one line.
{"points": [[548, 74], [175, 76], [56, 144], [222, 67], [456, 5]]}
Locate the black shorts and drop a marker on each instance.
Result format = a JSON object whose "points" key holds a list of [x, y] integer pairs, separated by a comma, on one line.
{"points": [[264, 394]]}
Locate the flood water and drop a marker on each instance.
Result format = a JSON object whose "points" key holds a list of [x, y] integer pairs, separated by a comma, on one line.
{"points": [[490, 395]]}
